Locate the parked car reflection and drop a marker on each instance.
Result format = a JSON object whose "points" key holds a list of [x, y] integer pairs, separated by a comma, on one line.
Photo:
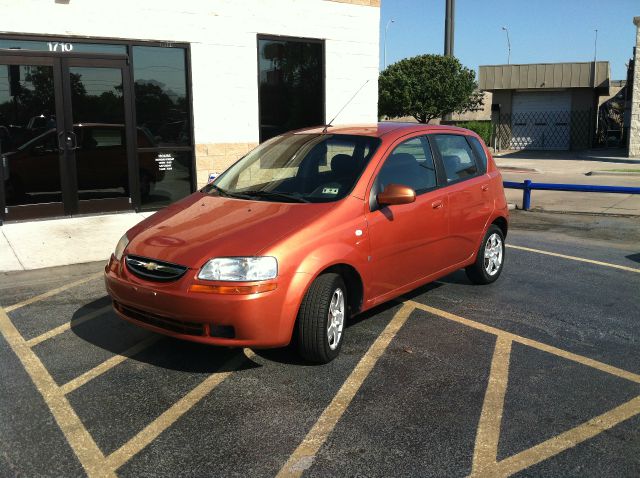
{"points": [[33, 169]]}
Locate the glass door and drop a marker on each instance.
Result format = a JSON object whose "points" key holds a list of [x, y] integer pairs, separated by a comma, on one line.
{"points": [[66, 138], [32, 178], [98, 142]]}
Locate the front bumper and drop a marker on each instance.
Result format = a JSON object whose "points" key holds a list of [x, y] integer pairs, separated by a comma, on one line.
{"points": [[259, 320]]}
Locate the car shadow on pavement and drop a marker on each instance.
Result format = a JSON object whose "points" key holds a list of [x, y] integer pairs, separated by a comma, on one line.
{"points": [[111, 333]]}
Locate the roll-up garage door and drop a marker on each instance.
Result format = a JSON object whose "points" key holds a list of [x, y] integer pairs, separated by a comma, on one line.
{"points": [[541, 120]]}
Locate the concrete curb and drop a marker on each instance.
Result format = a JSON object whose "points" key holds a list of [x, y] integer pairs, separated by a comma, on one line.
{"points": [[518, 169], [612, 173]]}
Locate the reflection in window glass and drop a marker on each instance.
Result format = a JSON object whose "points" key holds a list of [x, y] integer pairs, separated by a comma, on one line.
{"points": [[165, 177], [28, 138], [162, 105], [97, 109], [480, 153], [410, 164], [291, 85], [456, 156]]}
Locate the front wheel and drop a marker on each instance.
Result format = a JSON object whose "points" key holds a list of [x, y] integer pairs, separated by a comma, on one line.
{"points": [[490, 259], [320, 328]]}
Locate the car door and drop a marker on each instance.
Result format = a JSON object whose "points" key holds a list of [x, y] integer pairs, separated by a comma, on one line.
{"points": [[407, 239], [470, 200]]}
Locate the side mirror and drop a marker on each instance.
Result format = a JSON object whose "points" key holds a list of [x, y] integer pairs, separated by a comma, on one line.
{"points": [[396, 194]]}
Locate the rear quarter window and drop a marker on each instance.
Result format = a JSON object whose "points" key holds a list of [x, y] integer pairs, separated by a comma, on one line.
{"points": [[480, 152]]}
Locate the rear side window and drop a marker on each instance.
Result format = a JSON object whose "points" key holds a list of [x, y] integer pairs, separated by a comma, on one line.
{"points": [[410, 164], [457, 156], [480, 154]]}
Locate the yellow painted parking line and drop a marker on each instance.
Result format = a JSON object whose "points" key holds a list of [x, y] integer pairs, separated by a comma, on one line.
{"points": [[633, 377], [169, 417], [107, 365], [52, 292], [574, 258], [302, 458], [488, 435], [66, 326], [486, 446], [80, 440], [567, 440]]}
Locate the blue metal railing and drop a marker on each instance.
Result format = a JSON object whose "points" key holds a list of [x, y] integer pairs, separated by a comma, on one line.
{"points": [[527, 186]]}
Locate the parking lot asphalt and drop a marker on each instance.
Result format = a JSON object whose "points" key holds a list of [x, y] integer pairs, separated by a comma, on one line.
{"points": [[536, 374]]}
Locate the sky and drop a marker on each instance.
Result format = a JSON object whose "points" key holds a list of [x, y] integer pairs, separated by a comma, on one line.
{"points": [[541, 31]]}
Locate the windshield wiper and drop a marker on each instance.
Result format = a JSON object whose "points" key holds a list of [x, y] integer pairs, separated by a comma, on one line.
{"points": [[275, 194], [228, 194]]}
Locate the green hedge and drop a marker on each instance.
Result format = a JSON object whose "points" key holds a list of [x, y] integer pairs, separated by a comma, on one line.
{"points": [[483, 128]]}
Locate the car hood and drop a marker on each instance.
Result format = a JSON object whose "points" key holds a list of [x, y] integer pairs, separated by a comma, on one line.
{"points": [[203, 226]]}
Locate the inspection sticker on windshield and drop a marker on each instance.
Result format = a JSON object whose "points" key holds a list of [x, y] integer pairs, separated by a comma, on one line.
{"points": [[330, 190]]}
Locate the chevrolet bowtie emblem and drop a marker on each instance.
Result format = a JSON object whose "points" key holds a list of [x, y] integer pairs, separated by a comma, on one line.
{"points": [[152, 266]]}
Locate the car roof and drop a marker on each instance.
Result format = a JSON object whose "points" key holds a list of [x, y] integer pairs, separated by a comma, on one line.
{"points": [[381, 129]]}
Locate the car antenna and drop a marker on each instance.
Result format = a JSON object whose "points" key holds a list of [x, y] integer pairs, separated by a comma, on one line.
{"points": [[345, 105]]}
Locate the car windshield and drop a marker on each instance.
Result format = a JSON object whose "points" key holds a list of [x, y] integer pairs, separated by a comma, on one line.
{"points": [[298, 168]]}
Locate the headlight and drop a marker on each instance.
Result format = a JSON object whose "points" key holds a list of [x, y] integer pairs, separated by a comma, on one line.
{"points": [[240, 269], [122, 244]]}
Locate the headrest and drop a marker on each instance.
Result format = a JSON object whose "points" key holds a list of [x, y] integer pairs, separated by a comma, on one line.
{"points": [[343, 164]]}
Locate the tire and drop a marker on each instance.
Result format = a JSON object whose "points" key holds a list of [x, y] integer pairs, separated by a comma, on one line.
{"points": [[326, 299], [490, 260]]}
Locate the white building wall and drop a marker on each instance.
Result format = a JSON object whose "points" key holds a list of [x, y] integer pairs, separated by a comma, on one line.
{"points": [[223, 38], [634, 130]]}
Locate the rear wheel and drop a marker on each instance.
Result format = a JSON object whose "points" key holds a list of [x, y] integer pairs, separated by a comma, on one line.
{"points": [[320, 328], [490, 259]]}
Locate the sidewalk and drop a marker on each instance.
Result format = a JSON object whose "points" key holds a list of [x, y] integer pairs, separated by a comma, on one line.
{"points": [[568, 167], [56, 242]]}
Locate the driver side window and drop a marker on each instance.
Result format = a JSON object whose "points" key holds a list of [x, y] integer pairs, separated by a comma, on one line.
{"points": [[409, 164]]}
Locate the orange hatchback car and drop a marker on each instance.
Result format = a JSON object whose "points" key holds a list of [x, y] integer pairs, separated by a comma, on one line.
{"points": [[309, 229]]}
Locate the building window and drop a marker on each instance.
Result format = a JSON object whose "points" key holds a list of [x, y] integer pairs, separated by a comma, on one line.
{"points": [[165, 146], [291, 84]]}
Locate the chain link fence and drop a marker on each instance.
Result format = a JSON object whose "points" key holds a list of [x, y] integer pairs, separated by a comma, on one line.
{"points": [[545, 130]]}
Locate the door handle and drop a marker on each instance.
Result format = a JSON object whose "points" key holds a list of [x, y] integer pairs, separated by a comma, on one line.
{"points": [[437, 204], [484, 187]]}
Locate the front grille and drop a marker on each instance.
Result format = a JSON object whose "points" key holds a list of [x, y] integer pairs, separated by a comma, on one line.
{"points": [[172, 325], [151, 269]]}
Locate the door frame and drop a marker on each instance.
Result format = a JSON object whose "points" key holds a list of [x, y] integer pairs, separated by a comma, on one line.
{"points": [[73, 201], [60, 63]]}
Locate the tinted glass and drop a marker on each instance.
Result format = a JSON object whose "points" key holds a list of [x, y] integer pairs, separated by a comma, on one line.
{"points": [[291, 86], [63, 46], [456, 155], [480, 153], [97, 108], [28, 135], [165, 177], [298, 168], [410, 164], [162, 104]]}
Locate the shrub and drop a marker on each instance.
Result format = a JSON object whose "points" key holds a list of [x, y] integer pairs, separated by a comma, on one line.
{"points": [[482, 128]]}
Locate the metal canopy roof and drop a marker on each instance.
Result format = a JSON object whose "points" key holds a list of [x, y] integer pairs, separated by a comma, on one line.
{"points": [[545, 75]]}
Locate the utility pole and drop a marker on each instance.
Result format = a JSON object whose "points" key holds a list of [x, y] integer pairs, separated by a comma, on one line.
{"points": [[595, 47], [449, 21]]}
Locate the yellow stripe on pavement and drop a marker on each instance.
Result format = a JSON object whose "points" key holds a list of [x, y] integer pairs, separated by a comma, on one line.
{"points": [[574, 258], [80, 440], [64, 327], [52, 292], [302, 458]]}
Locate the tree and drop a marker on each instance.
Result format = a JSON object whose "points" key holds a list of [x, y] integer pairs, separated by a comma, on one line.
{"points": [[427, 87]]}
